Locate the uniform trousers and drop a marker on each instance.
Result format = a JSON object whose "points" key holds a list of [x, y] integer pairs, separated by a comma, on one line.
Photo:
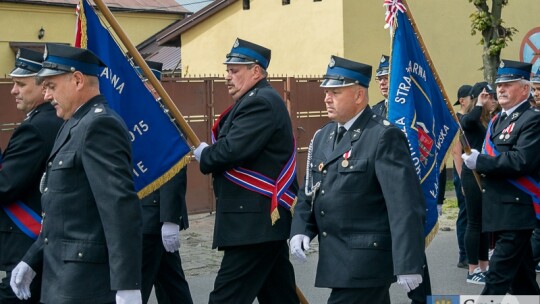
{"points": [[8, 297], [261, 271], [163, 270], [420, 293], [511, 265], [379, 295]]}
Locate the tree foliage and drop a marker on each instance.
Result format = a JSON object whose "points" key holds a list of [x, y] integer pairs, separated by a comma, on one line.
{"points": [[495, 36]]}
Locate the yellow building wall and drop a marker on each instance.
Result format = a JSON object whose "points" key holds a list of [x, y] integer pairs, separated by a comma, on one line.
{"points": [[301, 35], [21, 23]]}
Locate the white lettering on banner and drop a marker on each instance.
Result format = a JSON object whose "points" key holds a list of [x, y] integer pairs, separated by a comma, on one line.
{"points": [[108, 74], [400, 123], [435, 190], [442, 136], [138, 129], [403, 90], [139, 169], [416, 69]]}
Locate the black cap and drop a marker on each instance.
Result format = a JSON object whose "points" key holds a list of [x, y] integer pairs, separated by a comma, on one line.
{"points": [[384, 66], [59, 59], [342, 72], [510, 70], [479, 87], [536, 77], [155, 67], [463, 91], [245, 52], [27, 63]]}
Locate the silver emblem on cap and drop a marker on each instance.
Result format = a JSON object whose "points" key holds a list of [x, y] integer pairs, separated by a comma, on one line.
{"points": [[383, 59], [236, 43], [502, 64], [45, 53], [18, 54], [332, 62]]}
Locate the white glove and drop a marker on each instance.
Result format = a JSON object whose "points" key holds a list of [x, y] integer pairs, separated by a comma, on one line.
{"points": [[198, 151], [21, 277], [470, 160], [170, 235], [132, 296], [409, 281], [298, 244]]}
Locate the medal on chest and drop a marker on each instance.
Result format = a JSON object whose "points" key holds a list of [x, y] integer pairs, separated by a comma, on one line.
{"points": [[505, 134], [346, 156]]}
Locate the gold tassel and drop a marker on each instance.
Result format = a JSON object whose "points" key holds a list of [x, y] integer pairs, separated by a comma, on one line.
{"points": [[274, 216], [294, 205], [153, 186]]}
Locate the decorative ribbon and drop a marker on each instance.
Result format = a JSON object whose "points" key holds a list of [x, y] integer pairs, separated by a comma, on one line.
{"points": [[526, 184], [392, 7], [259, 183], [25, 218]]}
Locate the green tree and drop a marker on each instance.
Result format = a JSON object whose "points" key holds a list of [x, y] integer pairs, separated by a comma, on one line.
{"points": [[494, 35]]}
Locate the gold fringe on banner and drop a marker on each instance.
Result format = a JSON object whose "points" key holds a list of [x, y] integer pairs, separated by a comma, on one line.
{"points": [[82, 18], [153, 186], [432, 234]]}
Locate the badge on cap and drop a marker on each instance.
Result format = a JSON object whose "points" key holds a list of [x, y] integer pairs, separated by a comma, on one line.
{"points": [[332, 62], [45, 53], [383, 59], [236, 43], [502, 64], [18, 54]]}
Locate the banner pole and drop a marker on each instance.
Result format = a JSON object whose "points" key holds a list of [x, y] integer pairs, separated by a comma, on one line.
{"points": [[169, 104], [465, 143]]}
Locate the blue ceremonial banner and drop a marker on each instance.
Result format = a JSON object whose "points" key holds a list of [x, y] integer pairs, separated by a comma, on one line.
{"points": [[159, 150], [417, 106]]}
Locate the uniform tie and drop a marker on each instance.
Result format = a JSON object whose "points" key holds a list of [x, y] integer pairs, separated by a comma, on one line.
{"points": [[339, 136]]}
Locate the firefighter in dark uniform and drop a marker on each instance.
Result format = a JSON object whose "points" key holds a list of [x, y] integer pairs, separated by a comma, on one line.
{"points": [[510, 169], [164, 215], [253, 142], [361, 199], [381, 76], [23, 164], [90, 242]]}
